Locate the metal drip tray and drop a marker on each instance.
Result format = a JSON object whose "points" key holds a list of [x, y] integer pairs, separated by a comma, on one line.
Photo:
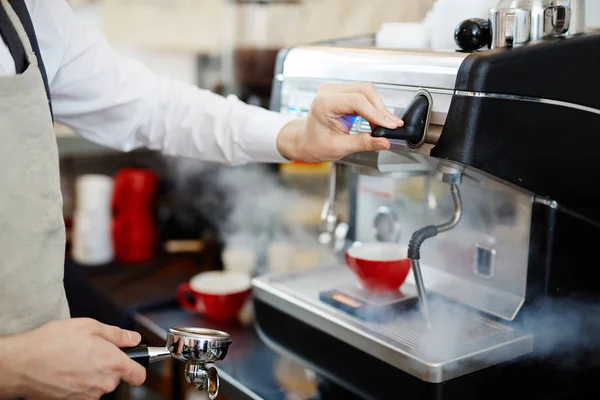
{"points": [[460, 341]]}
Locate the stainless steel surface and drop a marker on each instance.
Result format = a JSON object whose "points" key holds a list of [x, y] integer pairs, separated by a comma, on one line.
{"points": [[418, 145], [203, 379], [394, 162], [494, 216], [516, 22], [560, 20], [157, 354], [416, 68], [197, 345], [509, 27], [449, 173], [577, 23], [460, 341], [455, 192], [510, 97]]}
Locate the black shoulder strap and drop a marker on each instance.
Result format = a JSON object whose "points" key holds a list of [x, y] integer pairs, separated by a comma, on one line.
{"points": [[11, 38]]}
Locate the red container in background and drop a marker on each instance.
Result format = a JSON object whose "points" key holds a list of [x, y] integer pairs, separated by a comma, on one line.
{"points": [[133, 226]]}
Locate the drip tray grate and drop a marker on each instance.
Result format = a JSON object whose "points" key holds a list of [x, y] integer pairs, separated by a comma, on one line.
{"points": [[459, 341]]}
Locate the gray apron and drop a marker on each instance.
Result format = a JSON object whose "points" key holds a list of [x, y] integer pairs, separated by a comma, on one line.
{"points": [[32, 233]]}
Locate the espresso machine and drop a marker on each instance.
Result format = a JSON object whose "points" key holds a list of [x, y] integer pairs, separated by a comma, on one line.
{"points": [[490, 184]]}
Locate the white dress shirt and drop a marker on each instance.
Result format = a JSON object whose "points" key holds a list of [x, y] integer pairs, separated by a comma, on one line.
{"points": [[119, 103]]}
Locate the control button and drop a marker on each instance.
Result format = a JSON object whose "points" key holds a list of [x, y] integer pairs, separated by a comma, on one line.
{"points": [[485, 260]]}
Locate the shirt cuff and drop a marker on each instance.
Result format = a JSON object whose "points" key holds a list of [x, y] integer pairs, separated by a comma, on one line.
{"points": [[260, 136]]}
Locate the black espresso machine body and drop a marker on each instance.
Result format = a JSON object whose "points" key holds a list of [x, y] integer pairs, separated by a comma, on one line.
{"points": [[530, 126], [526, 118]]}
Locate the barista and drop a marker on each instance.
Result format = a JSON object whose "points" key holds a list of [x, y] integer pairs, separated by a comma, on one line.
{"points": [[112, 100]]}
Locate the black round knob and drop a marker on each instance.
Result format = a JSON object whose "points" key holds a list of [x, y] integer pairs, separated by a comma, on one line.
{"points": [[472, 34]]}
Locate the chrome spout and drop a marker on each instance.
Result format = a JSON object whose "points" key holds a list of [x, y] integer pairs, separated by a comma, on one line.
{"points": [[329, 218]]}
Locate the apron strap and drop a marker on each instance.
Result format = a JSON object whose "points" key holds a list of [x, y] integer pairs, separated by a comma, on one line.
{"points": [[13, 42], [21, 10], [23, 48]]}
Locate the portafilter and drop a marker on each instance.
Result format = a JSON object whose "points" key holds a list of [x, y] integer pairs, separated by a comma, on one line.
{"points": [[197, 347]]}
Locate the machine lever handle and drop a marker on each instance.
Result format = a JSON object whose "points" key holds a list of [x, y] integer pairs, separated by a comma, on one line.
{"points": [[415, 123]]}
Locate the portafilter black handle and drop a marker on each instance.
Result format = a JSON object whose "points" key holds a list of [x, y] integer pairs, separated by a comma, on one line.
{"points": [[415, 123], [145, 355], [473, 34], [139, 354]]}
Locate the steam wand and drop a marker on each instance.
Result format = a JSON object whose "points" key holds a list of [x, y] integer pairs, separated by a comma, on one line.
{"points": [[417, 239]]}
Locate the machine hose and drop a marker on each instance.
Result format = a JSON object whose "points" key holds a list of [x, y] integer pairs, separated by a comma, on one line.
{"points": [[417, 239]]}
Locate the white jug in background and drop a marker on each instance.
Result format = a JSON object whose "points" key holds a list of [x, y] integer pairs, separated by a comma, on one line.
{"points": [[93, 193], [92, 220]]}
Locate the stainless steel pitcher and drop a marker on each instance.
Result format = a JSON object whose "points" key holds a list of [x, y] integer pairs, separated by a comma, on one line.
{"points": [[516, 22]]}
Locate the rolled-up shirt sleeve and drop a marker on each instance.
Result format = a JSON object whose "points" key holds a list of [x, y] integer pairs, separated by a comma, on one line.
{"points": [[118, 102]]}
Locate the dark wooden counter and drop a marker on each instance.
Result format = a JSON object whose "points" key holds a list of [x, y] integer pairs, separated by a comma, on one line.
{"points": [[142, 298]]}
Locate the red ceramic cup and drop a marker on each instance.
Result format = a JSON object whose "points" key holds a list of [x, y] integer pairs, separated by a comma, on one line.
{"points": [[380, 267], [219, 296]]}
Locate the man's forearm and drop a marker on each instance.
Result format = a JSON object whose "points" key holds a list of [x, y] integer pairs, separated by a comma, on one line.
{"points": [[196, 123], [10, 379], [118, 102]]}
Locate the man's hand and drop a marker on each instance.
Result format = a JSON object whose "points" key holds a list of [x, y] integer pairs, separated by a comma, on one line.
{"points": [[323, 136], [71, 359]]}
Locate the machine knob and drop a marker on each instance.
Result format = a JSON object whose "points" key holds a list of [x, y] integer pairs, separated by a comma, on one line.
{"points": [[415, 123], [473, 34]]}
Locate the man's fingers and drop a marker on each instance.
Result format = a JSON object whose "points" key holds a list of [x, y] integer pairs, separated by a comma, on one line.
{"points": [[119, 337], [380, 143], [132, 373], [340, 104], [360, 142], [368, 90]]}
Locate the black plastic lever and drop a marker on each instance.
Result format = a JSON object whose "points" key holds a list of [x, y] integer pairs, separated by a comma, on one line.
{"points": [[415, 123], [139, 354]]}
